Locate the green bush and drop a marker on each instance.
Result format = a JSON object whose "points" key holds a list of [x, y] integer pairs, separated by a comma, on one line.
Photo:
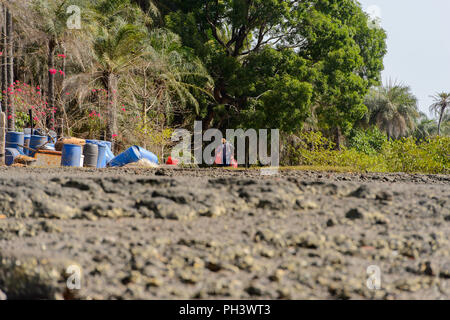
{"points": [[429, 156], [404, 155], [367, 141]]}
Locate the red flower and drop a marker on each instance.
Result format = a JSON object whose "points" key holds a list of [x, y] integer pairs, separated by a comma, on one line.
{"points": [[114, 135], [52, 71], [10, 117]]}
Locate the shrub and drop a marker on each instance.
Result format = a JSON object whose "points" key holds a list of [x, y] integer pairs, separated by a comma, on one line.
{"points": [[367, 141], [429, 156], [404, 155]]}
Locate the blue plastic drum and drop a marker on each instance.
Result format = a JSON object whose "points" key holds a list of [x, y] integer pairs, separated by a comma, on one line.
{"points": [[131, 155], [101, 161], [14, 139], [148, 155], [36, 142], [71, 155], [10, 155]]}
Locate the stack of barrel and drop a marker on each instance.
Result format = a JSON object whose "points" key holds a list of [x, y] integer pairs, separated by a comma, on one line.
{"points": [[33, 139], [86, 153]]}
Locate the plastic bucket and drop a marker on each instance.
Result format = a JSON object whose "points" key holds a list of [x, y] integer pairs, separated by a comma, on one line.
{"points": [[131, 155], [101, 159], [14, 139], [148, 155], [10, 155], [36, 142], [90, 152], [71, 155]]}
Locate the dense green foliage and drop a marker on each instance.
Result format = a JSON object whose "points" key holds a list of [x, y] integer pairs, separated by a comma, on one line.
{"points": [[367, 141], [404, 155], [272, 61]]}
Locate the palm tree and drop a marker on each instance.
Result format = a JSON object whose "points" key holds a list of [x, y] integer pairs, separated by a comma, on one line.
{"points": [[393, 108], [168, 76], [424, 127], [149, 68], [116, 44], [439, 107], [9, 49], [44, 25]]}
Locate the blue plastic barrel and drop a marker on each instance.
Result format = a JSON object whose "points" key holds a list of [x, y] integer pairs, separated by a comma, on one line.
{"points": [[26, 143], [14, 139], [148, 155], [36, 142], [109, 153], [71, 155], [131, 155], [101, 161], [10, 155]]}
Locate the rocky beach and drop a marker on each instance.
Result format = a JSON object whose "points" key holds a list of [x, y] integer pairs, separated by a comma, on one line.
{"points": [[222, 234]]}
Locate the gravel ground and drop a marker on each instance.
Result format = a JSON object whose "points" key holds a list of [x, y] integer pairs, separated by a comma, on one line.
{"points": [[222, 234]]}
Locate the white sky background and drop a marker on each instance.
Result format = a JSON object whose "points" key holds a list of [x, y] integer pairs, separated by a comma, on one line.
{"points": [[418, 44]]}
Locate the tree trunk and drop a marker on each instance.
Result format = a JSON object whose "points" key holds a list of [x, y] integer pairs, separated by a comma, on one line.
{"points": [[111, 128], [51, 85], [10, 68], [209, 119], [4, 61], [440, 122], [338, 138], [2, 137]]}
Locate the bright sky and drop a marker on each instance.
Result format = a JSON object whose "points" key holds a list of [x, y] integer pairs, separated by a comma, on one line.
{"points": [[418, 44]]}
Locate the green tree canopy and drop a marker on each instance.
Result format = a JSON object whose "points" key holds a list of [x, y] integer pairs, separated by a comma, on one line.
{"points": [[272, 59]]}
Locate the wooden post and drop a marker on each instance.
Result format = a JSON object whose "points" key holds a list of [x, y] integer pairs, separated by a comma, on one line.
{"points": [[2, 138]]}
